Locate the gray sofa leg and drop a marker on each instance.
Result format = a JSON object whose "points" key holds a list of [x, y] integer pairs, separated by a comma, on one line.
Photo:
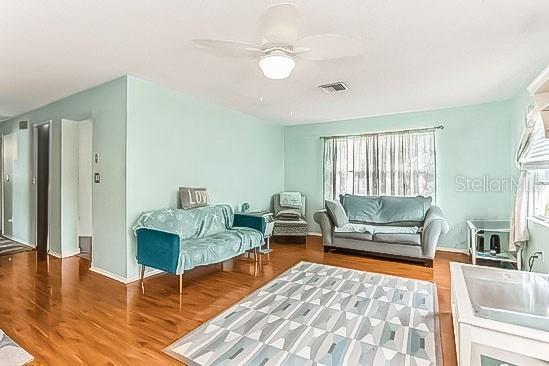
{"points": [[326, 249], [429, 263]]}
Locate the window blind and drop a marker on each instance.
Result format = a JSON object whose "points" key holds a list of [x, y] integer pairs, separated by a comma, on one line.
{"points": [[537, 156]]}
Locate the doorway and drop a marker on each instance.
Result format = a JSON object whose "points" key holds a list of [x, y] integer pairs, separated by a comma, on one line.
{"points": [[9, 159], [76, 187], [42, 138]]}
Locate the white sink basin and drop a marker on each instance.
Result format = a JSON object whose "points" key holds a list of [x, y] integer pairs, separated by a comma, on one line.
{"points": [[514, 297], [502, 315]]}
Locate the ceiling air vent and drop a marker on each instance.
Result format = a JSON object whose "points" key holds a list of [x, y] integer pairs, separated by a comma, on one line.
{"points": [[334, 87], [23, 125]]}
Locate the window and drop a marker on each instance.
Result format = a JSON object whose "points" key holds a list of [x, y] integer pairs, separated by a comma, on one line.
{"points": [[541, 193], [391, 164], [536, 162]]}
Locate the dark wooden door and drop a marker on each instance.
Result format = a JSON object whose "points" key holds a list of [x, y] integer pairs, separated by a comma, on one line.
{"points": [[42, 177]]}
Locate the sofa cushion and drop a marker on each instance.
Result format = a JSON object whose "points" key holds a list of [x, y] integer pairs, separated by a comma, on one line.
{"points": [[361, 208], [387, 229], [395, 238], [217, 247], [354, 231], [336, 212], [409, 211], [403, 209], [353, 235]]}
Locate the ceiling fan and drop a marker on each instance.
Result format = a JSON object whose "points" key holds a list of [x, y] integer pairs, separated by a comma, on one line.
{"points": [[281, 45]]}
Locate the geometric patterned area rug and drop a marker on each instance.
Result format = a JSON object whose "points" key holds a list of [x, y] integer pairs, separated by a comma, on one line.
{"points": [[10, 352], [8, 246], [315, 314]]}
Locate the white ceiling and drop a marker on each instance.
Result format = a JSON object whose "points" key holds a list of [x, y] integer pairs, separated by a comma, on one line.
{"points": [[421, 54]]}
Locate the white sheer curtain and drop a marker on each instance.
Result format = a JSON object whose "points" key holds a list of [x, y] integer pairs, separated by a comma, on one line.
{"points": [[532, 153], [392, 164]]}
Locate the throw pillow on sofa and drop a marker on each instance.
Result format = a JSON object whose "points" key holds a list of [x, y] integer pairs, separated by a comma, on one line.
{"points": [[336, 212]]}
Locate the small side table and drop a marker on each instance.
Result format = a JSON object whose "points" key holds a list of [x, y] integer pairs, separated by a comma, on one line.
{"points": [[478, 230], [262, 221]]}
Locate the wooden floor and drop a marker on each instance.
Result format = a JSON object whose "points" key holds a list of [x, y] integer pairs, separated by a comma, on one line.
{"points": [[64, 314]]}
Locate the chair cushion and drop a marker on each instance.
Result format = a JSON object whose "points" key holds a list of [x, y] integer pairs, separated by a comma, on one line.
{"points": [[290, 227], [336, 212], [299, 222], [412, 239], [289, 213], [276, 208]]}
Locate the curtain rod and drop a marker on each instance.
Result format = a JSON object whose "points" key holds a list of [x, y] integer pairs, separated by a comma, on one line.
{"points": [[440, 127]]}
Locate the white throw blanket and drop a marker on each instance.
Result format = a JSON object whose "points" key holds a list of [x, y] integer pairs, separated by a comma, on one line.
{"points": [[290, 199], [361, 228]]}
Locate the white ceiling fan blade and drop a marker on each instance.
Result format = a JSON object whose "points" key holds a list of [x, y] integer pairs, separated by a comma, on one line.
{"points": [[279, 25], [230, 48], [330, 46], [298, 50]]}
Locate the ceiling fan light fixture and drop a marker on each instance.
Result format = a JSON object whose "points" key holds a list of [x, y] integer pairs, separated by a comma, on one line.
{"points": [[277, 65]]}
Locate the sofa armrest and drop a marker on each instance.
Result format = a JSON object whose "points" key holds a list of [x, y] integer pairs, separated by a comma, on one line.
{"points": [[158, 249], [326, 226], [251, 221], [433, 227]]}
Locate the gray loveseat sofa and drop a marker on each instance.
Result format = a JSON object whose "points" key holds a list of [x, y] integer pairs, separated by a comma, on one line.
{"points": [[398, 227]]}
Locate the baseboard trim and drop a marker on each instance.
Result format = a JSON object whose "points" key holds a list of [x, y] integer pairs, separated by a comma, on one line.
{"points": [[19, 241], [150, 273], [108, 274], [54, 254], [124, 280], [68, 253], [452, 250]]}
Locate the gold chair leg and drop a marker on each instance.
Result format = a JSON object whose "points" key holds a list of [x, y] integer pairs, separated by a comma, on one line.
{"points": [[181, 283], [143, 278]]}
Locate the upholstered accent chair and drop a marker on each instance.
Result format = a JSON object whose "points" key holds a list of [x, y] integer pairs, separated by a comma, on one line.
{"points": [[290, 223]]}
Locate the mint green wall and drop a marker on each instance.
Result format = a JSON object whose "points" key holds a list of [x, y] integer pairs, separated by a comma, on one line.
{"points": [[106, 104], [474, 143], [175, 140]]}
